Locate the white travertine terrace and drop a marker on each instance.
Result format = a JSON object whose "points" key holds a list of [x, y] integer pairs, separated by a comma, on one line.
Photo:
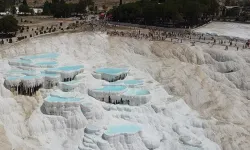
{"points": [[128, 83], [67, 73], [67, 105], [122, 137], [111, 74], [211, 113], [38, 75], [70, 85], [57, 103], [136, 96], [116, 94]]}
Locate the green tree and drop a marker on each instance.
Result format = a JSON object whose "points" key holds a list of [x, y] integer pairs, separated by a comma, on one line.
{"points": [[192, 12], [149, 12], [13, 10], [2, 6], [230, 2], [91, 7], [47, 8], [89, 2], [81, 7], [58, 8], [245, 3], [9, 3], [152, 12], [8, 24], [25, 2], [24, 8]]}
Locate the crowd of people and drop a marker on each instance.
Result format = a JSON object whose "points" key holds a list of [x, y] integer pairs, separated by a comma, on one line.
{"points": [[180, 36], [175, 36], [159, 34]]}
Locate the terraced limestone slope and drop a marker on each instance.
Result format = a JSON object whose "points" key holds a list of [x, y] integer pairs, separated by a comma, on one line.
{"points": [[195, 103]]}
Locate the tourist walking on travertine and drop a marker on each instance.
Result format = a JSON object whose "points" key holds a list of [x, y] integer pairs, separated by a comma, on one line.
{"points": [[226, 48]]}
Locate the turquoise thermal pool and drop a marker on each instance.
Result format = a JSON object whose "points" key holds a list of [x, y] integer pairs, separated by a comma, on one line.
{"points": [[112, 88], [50, 74], [30, 77], [50, 63], [127, 82], [30, 73], [19, 71], [42, 56], [66, 68], [131, 82], [71, 68], [111, 71], [122, 129], [62, 99], [12, 78], [120, 94], [22, 61]]}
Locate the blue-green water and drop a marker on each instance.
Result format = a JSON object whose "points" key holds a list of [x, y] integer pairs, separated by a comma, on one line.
{"points": [[49, 74], [42, 56], [112, 71], [29, 77], [12, 78], [66, 68], [21, 72], [131, 82], [62, 99], [138, 92], [120, 129], [51, 63], [112, 88]]}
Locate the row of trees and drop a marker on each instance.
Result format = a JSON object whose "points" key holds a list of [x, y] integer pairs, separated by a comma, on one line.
{"points": [[161, 12], [10, 5], [4, 4], [25, 8], [58, 8]]}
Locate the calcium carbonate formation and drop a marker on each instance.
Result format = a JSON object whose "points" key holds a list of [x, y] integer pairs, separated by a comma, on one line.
{"points": [[111, 74], [119, 130], [69, 86], [24, 85], [122, 137], [120, 94], [41, 60], [68, 106], [92, 138], [128, 83], [30, 73], [59, 103], [67, 73]]}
